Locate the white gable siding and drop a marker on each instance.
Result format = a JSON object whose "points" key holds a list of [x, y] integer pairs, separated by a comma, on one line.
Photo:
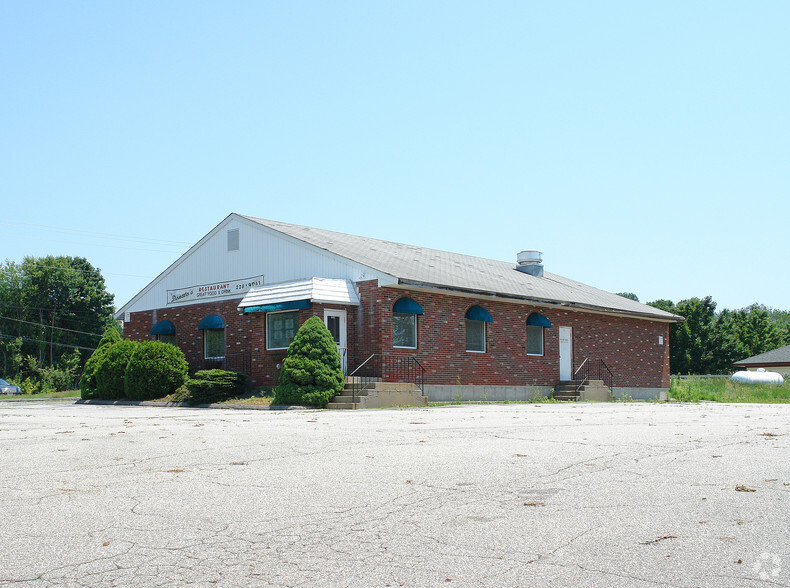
{"points": [[262, 251]]}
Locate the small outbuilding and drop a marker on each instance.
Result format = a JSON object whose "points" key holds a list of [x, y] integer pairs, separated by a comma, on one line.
{"points": [[457, 326], [777, 361]]}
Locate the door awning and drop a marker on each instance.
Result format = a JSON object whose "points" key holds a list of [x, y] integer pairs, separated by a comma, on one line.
{"points": [[300, 294]]}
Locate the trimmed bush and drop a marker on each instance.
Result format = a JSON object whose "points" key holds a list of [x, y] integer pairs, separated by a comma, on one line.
{"points": [[312, 373], [111, 335], [209, 386], [155, 370], [111, 369], [88, 386]]}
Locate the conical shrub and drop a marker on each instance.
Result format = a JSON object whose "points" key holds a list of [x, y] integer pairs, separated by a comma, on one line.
{"points": [[312, 373]]}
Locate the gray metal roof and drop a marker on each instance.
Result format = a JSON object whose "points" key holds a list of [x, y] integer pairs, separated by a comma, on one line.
{"points": [[777, 356], [421, 266]]}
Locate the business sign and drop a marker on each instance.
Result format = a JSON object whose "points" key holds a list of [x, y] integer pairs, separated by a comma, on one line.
{"points": [[206, 292]]}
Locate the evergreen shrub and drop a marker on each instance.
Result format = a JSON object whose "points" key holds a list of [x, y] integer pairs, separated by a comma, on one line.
{"points": [[87, 383], [156, 369], [312, 373], [111, 369], [209, 386]]}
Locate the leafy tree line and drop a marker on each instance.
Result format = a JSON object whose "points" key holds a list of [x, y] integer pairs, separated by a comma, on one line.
{"points": [[53, 311], [709, 342]]}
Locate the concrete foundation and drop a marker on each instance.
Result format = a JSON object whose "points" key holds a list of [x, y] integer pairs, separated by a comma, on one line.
{"points": [[471, 393]]}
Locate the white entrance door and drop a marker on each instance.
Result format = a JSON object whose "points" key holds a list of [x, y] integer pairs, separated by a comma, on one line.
{"points": [[336, 323], [566, 354]]}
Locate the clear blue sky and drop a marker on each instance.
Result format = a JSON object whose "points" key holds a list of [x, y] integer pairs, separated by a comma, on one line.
{"points": [[643, 147]]}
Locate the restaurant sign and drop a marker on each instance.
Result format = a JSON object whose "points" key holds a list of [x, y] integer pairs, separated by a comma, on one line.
{"points": [[212, 291]]}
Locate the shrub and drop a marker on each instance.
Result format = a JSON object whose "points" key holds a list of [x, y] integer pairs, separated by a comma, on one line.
{"points": [[111, 369], [155, 370], [88, 385], [311, 373], [209, 386], [111, 335]]}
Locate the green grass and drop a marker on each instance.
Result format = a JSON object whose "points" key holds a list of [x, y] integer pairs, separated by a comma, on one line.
{"points": [[725, 390], [63, 394]]}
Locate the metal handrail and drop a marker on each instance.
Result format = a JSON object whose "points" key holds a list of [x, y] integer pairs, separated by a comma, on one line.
{"points": [[383, 367], [595, 369]]}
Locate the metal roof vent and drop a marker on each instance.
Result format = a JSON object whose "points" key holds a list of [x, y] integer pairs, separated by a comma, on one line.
{"points": [[530, 262]]}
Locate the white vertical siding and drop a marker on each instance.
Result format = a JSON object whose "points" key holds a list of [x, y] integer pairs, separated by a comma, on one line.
{"points": [[262, 251]]}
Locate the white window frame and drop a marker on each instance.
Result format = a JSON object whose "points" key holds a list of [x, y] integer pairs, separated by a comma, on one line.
{"points": [[268, 348], [483, 326], [414, 318], [542, 341]]}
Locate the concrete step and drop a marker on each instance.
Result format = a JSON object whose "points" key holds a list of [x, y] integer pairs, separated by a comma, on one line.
{"points": [[343, 405]]}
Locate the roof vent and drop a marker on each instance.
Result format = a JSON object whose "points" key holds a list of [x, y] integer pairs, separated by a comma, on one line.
{"points": [[530, 262]]}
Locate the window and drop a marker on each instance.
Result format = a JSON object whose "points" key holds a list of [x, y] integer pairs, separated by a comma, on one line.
{"points": [[214, 343], [476, 319], [233, 240], [535, 325], [164, 331], [534, 340], [404, 323], [475, 336], [281, 328], [404, 330], [213, 328]]}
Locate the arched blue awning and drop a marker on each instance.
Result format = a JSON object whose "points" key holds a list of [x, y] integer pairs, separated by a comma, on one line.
{"points": [[164, 328], [538, 320], [212, 321], [407, 306], [478, 313]]}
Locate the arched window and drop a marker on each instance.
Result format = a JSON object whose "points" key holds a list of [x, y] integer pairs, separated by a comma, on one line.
{"points": [[165, 331], [213, 328], [535, 324], [476, 319], [404, 323]]}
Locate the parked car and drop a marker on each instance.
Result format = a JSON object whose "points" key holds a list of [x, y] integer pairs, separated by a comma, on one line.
{"points": [[6, 388]]}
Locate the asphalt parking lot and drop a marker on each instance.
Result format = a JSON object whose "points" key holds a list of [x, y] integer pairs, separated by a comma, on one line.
{"points": [[636, 494]]}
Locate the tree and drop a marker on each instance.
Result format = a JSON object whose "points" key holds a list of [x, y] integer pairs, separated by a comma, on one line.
{"points": [[312, 373], [54, 305], [629, 295]]}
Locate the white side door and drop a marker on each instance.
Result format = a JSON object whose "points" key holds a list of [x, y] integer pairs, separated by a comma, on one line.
{"points": [[566, 353], [335, 321]]}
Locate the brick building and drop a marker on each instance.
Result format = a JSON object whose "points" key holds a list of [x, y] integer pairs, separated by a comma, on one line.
{"points": [[478, 328]]}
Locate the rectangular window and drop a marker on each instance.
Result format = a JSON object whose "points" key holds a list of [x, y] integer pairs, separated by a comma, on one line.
{"points": [[281, 328], [404, 330], [475, 336], [214, 343], [534, 340], [233, 240]]}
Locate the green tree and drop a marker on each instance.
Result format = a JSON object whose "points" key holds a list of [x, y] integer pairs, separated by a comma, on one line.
{"points": [[629, 295], [312, 373], [54, 305]]}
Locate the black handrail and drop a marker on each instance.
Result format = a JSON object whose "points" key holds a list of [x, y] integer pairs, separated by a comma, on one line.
{"points": [[593, 369], [387, 367]]}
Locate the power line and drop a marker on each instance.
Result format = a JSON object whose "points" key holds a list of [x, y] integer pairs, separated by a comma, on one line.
{"points": [[74, 269], [31, 340], [112, 236], [8, 318]]}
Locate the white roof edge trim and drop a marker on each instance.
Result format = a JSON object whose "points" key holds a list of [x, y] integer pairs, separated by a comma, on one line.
{"points": [[571, 306]]}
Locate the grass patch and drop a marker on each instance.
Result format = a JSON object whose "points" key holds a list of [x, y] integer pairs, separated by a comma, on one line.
{"points": [[61, 394], [725, 390]]}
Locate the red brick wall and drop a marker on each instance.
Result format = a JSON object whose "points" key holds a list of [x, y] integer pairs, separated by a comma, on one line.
{"points": [[244, 334], [628, 346]]}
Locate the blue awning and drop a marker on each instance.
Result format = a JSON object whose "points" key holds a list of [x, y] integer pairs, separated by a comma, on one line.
{"points": [[290, 305], [164, 328], [212, 321], [407, 306], [478, 313], [538, 320]]}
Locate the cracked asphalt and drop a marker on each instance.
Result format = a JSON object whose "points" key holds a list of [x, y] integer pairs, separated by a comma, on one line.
{"points": [[612, 494]]}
